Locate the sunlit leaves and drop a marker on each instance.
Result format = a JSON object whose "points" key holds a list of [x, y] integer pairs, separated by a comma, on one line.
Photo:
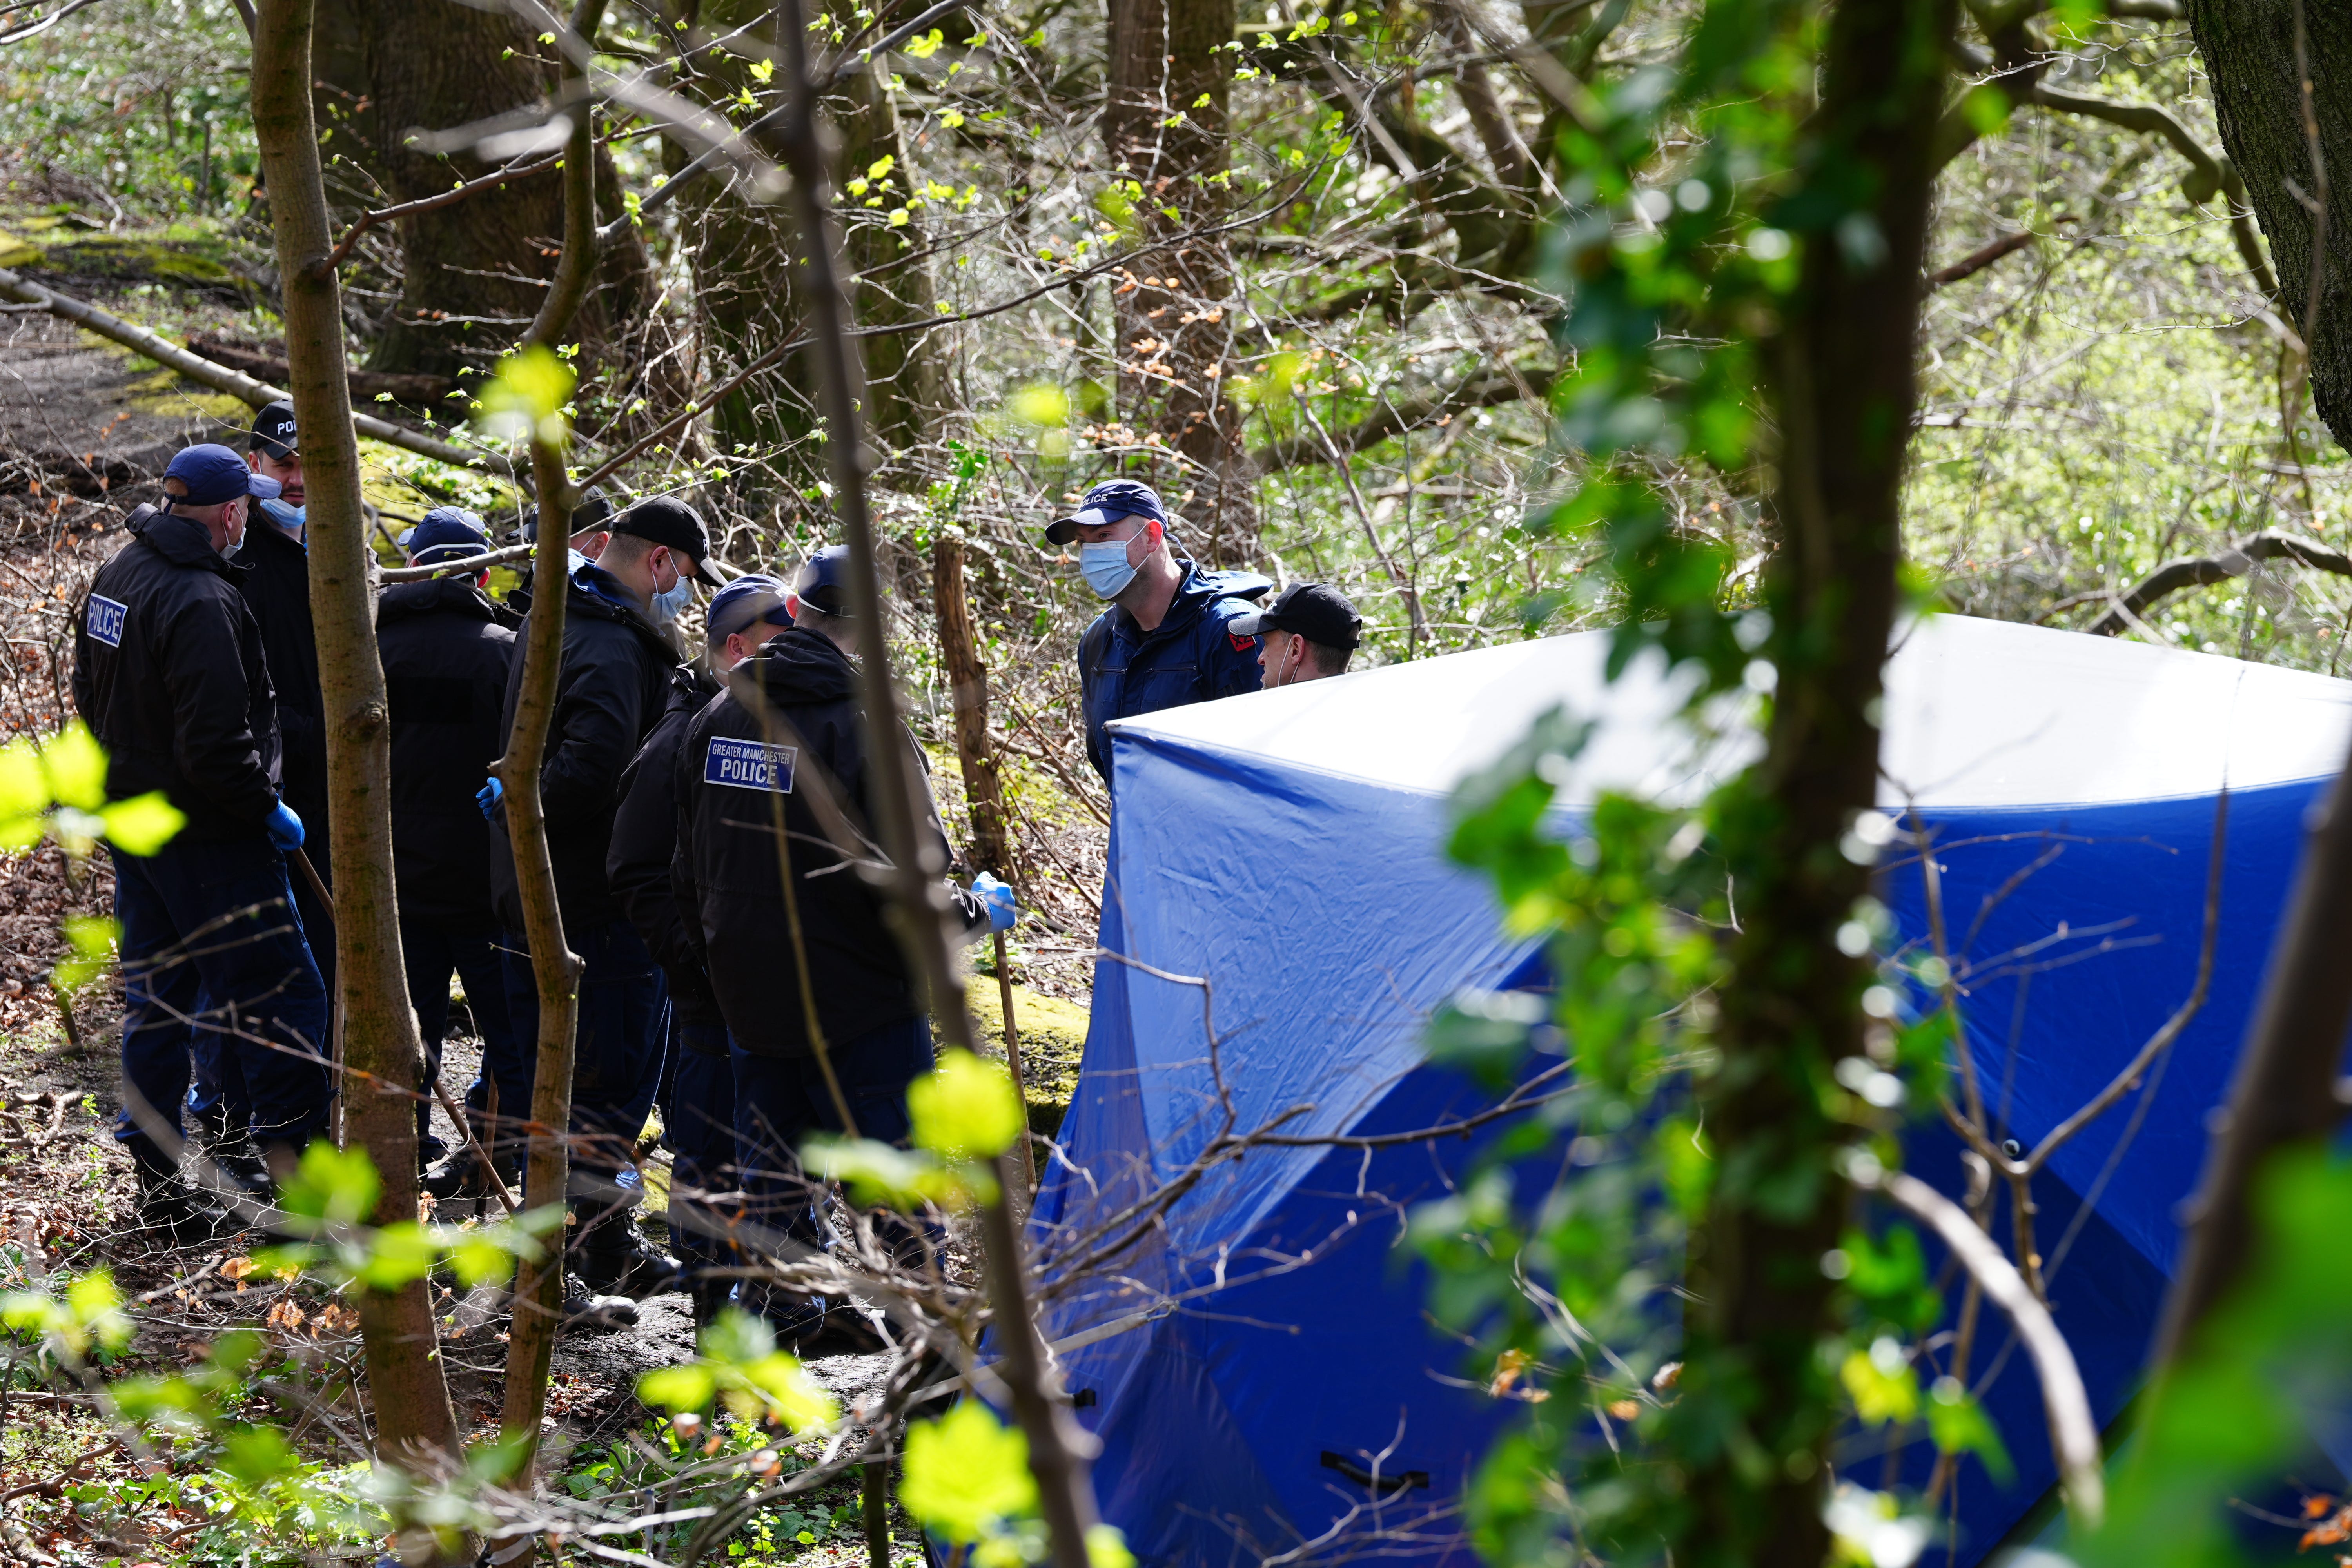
{"points": [[92, 939], [56, 787], [967, 1474], [334, 1192], [966, 1108], [87, 1316], [740, 1365], [526, 398]]}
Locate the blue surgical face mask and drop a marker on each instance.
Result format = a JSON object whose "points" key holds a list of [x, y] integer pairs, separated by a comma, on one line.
{"points": [[1106, 568], [669, 606], [290, 518]]}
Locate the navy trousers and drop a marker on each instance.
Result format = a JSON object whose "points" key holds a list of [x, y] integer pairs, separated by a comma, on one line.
{"points": [[700, 1117], [779, 1101], [212, 952], [217, 1097], [431, 950], [617, 1057]]}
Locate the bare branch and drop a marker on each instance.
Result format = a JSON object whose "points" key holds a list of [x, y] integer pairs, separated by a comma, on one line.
{"points": [[2203, 571]]}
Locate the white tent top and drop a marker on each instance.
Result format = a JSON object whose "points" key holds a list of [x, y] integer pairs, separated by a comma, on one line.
{"points": [[1979, 713]]}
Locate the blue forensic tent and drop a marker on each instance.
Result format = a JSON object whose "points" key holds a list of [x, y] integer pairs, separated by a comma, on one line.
{"points": [[1277, 883]]}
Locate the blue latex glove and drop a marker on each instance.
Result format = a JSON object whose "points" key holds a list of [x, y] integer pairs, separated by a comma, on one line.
{"points": [[997, 897], [489, 796], [285, 828]]}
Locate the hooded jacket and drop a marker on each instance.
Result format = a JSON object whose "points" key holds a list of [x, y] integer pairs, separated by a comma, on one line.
{"points": [[170, 676], [645, 842], [740, 770], [609, 690], [277, 585], [1189, 656], [445, 649]]}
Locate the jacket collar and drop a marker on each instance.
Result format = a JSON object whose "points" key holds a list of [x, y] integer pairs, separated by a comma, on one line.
{"points": [[435, 597], [1192, 601], [182, 540]]}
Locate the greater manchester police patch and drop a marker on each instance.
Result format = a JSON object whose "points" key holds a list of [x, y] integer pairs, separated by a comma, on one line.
{"points": [[748, 764]]}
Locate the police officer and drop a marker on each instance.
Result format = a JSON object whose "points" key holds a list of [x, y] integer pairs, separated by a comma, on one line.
{"points": [[277, 585], [1308, 634], [591, 527], [750, 769], [445, 647], [611, 688], [1167, 637], [170, 676], [698, 1099]]}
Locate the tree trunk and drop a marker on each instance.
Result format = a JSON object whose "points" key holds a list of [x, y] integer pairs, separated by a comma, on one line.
{"points": [[983, 787], [2249, 55], [1176, 330], [416, 1427], [475, 271], [1842, 393], [555, 971]]}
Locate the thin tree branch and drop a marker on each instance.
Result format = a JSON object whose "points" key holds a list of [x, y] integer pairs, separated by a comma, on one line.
{"points": [[2202, 571]]}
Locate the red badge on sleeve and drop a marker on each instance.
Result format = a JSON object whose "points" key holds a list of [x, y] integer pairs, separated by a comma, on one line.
{"points": [[1240, 644]]}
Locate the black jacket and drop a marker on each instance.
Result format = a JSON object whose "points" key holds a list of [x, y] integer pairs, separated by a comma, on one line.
{"points": [[645, 842], [169, 675], [610, 690], [445, 649], [735, 768], [276, 583]]}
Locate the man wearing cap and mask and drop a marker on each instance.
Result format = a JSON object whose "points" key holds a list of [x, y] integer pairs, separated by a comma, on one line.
{"points": [[275, 583], [611, 688], [591, 522], [1167, 637], [1307, 633], [446, 649], [751, 771], [699, 1102], [170, 676]]}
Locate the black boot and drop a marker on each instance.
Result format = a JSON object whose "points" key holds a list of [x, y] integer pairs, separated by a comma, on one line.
{"points": [[585, 1308], [613, 1260], [170, 1208]]}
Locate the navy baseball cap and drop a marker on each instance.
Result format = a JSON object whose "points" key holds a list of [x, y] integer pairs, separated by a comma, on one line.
{"points": [[754, 596], [447, 533], [823, 583], [273, 431], [213, 474], [1316, 611], [1108, 502]]}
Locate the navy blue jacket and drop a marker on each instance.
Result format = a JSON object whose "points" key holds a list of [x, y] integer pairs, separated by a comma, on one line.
{"points": [[170, 676], [1189, 656]]}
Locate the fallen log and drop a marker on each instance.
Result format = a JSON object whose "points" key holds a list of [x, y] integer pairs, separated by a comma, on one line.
{"points": [[420, 391], [236, 382]]}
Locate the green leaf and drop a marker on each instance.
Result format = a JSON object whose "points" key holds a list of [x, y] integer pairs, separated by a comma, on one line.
{"points": [[93, 938], [24, 786], [1959, 1425], [528, 395], [144, 824], [675, 1388], [397, 1255], [967, 1474], [878, 1174], [335, 1186], [966, 1108], [1043, 405], [924, 47], [75, 765], [259, 1455], [1986, 109], [1881, 1380]]}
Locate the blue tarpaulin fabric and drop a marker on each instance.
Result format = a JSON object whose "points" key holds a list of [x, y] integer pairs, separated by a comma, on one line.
{"points": [[1252, 1350]]}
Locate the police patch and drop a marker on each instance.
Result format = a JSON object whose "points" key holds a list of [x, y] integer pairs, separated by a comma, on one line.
{"points": [[748, 764], [1240, 644], [103, 620]]}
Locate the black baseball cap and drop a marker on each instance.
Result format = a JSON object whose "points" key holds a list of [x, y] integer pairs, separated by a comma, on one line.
{"points": [[664, 520], [273, 431], [823, 583], [1108, 502], [1316, 611]]}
